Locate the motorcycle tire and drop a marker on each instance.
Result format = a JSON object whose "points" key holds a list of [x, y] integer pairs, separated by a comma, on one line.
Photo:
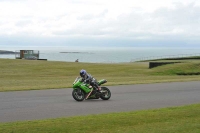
{"points": [[107, 95], [78, 96]]}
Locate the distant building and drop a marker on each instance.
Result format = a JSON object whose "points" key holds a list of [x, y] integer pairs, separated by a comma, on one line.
{"points": [[27, 54]]}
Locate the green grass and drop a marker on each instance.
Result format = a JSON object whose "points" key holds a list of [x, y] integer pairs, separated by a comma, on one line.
{"points": [[185, 119], [29, 75], [34, 74], [186, 68]]}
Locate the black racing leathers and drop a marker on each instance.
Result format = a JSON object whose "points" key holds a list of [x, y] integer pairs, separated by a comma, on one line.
{"points": [[87, 78]]}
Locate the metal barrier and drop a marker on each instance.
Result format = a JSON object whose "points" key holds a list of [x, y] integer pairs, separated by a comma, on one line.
{"points": [[164, 57]]}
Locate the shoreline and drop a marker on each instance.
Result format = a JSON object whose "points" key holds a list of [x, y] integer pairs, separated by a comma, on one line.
{"points": [[8, 52], [76, 53]]}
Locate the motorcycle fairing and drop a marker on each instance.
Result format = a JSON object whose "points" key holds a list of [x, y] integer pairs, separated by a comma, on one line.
{"points": [[102, 81]]}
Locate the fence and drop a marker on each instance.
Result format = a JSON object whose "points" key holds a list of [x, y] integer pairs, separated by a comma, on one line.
{"points": [[165, 57]]}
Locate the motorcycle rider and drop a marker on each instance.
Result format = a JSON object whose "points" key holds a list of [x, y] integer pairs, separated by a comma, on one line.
{"points": [[87, 78]]}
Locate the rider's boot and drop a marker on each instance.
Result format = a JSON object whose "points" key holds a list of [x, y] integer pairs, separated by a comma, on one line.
{"points": [[99, 89]]}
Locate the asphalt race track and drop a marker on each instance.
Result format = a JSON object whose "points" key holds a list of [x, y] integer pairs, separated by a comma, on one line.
{"points": [[43, 104]]}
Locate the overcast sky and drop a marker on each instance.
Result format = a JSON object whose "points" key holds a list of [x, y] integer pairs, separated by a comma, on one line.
{"points": [[99, 23]]}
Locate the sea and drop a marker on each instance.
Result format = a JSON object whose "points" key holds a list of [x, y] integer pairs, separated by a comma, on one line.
{"points": [[109, 54]]}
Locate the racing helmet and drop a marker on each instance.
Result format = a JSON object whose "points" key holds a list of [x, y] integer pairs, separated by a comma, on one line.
{"points": [[83, 73]]}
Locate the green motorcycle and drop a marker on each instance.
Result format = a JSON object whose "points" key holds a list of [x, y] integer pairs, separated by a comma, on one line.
{"points": [[82, 90]]}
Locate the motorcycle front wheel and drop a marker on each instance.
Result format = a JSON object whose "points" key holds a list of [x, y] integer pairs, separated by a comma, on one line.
{"points": [[78, 94], [106, 94]]}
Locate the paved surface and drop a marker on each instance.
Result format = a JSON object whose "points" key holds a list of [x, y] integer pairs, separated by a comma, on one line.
{"points": [[33, 105]]}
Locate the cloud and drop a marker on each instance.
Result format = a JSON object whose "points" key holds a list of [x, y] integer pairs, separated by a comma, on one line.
{"points": [[181, 21], [132, 20]]}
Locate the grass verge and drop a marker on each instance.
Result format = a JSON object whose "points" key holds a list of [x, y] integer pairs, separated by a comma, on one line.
{"points": [[184, 119], [36, 75]]}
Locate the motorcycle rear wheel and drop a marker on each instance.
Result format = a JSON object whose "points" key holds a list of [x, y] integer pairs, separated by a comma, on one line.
{"points": [[107, 94], [78, 95]]}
